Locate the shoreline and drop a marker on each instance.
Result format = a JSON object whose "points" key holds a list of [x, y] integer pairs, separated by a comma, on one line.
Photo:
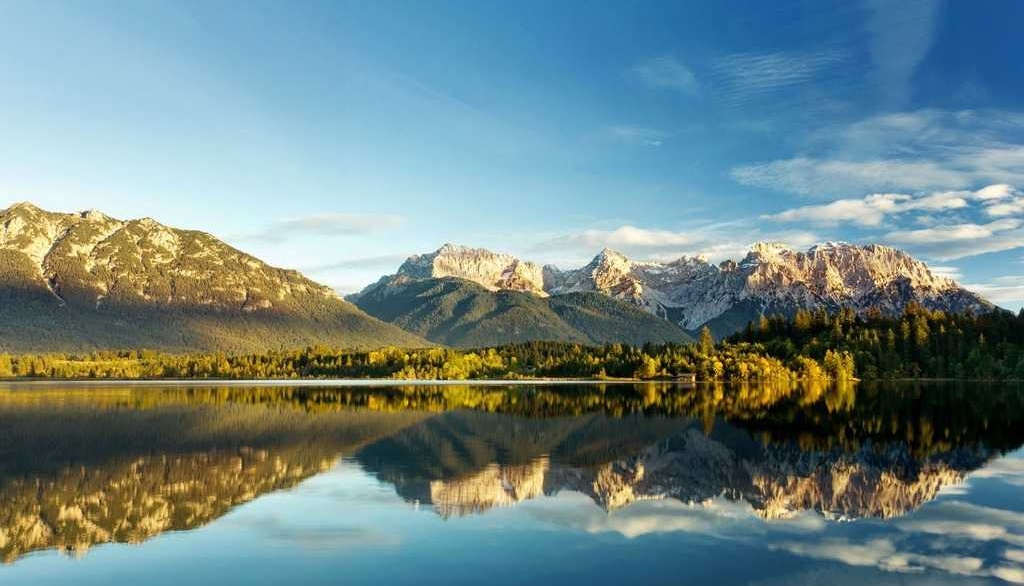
{"points": [[388, 382], [317, 382]]}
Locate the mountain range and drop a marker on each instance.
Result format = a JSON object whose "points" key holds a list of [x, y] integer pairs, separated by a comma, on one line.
{"points": [[689, 292], [86, 281]]}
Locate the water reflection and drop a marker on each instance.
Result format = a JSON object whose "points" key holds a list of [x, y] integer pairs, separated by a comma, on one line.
{"points": [[84, 466]]}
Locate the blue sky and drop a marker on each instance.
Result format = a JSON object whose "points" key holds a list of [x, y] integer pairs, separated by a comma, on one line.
{"points": [[339, 137]]}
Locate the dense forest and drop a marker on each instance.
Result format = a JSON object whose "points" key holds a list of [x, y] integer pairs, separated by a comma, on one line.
{"points": [[918, 344], [811, 346]]}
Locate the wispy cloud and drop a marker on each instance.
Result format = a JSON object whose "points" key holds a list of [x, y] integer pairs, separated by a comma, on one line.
{"points": [[948, 272], [901, 34], [328, 224], [1004, 290], [741, 77], [830, 177], [636, 135], [911, 151], [667, 72]]}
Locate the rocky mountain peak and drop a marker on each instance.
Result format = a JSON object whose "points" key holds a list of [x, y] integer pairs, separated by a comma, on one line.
{"points": [[492, 270], [21, 206], [77, 275], [92, 257], [609, 260]]}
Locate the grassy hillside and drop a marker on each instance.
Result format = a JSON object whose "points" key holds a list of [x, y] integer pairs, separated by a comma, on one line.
{"points": [[34, 321], [460, 313]]}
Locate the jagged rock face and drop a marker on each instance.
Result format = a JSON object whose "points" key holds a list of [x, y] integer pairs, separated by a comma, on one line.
{"points": [[773, 278], [843, 274], [692, 292], [492, 270], [689, 291], [89, 257]]}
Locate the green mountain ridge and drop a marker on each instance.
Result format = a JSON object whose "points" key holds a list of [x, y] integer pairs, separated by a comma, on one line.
{"points": [[461, 313]]}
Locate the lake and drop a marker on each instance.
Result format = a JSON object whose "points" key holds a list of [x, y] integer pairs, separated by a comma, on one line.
{"points": [[511, 484]]}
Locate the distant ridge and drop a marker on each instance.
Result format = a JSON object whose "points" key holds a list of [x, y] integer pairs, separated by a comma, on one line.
{"points": [[85, 281]]}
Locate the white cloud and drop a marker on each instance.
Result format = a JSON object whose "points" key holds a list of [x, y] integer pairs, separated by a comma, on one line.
{"points": [[667, 72], [1013, 574], [623, 237], [1001, 200], [871, 210], [997, 191]]}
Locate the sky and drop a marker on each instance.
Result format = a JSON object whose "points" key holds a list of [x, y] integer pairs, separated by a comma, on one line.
{"points": [[340, 137]]}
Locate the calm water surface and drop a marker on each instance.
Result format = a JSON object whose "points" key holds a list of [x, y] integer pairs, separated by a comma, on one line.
{"points": [[658, 484]]}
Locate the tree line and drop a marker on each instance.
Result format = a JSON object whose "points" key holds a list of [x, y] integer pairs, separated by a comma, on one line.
{"points": [[818, 345], [707, 360]]}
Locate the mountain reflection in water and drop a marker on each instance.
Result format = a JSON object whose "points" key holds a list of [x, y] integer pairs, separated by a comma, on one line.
{"points": [[82, 466]]}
